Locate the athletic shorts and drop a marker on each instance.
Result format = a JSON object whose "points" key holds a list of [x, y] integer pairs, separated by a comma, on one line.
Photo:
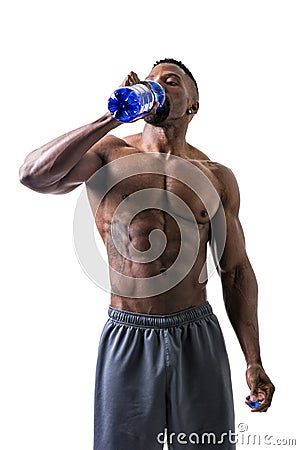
{"points": [[163, 378]]}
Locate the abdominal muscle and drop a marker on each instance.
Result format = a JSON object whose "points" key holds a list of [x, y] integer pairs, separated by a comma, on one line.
{"points": [[177, 286]]}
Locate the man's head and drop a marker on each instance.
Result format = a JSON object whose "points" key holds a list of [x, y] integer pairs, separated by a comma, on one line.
{"points": [[179, 64], [182, 97]]}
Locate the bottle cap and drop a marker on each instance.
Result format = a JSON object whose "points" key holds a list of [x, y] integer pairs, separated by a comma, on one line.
{"points": [[254, 405]]}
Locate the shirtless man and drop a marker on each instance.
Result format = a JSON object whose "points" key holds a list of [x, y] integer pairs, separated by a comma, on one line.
{"points": [[162, 359]]}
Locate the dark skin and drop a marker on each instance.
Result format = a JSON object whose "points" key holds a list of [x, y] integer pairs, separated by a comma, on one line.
{"points": [[72, 159]]}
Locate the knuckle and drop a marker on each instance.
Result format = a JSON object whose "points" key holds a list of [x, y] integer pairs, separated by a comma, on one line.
{"points": [[271, 387]]}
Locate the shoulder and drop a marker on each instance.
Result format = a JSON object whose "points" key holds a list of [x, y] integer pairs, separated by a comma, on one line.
{"points": [[196, 154], [108, 141], [107, 145], [229, 189], [225, 179], [111, 142]]}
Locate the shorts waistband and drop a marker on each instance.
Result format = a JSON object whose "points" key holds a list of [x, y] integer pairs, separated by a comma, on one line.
{"points": [[160, 320]]}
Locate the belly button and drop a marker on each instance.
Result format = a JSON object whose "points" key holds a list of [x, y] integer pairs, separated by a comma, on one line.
{"points": [[162, 270], [124, 196], [203, 213]]}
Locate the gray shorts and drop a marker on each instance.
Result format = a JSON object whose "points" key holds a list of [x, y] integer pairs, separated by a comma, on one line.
{"points": [[163, 373]]}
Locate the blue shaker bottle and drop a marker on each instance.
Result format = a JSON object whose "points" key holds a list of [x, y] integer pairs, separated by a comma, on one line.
{"points": [[133, 102]]}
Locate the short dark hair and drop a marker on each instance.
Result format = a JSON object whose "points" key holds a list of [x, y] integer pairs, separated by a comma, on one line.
{"points": [[179, 64]]}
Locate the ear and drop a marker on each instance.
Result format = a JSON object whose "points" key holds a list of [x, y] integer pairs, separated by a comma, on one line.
{"points": [[195, 107]]}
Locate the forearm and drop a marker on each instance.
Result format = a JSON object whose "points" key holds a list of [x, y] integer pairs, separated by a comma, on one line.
{"points": [[240, 296], [50, 163]]}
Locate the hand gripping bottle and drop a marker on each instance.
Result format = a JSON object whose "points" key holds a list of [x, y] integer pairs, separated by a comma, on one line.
{"points": [[133, 102]]}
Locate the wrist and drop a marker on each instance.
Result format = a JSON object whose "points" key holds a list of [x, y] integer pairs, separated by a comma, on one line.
{"points": [[254, 363], [113, 122], [108, 121]]}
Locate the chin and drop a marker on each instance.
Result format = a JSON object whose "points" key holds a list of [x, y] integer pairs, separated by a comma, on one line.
{"points": [[160, 116]]}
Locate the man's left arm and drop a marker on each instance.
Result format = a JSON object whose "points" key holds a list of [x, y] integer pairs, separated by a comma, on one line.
{"points": [[239, 287]]}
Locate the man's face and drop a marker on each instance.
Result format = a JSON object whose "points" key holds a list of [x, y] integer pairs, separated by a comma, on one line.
{"points": [[179, 92]]}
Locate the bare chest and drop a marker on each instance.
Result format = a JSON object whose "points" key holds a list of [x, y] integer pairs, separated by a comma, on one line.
{"points": [[140, 183]]}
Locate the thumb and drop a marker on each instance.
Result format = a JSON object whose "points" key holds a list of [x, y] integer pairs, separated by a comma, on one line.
{"points": [[254, 394], [155, 106]]}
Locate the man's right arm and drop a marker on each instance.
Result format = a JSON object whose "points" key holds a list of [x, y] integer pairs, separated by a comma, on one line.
{"points": [[69, 160]]}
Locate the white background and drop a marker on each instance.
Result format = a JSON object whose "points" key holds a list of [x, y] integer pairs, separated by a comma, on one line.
{"points": [[60, 61]]}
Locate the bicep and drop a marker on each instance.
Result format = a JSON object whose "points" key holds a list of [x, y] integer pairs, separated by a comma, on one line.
{"points": [[227, 236], [234, 252]]}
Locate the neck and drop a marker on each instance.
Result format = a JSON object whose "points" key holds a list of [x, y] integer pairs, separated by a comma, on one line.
{"points": [[168, 139]]}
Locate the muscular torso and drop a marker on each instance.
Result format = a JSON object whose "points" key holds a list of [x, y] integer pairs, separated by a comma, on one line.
{"points": [[163, 271]]}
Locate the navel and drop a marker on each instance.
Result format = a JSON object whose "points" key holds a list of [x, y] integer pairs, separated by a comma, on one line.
{"points": [[124, 196], [203, 213]]}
